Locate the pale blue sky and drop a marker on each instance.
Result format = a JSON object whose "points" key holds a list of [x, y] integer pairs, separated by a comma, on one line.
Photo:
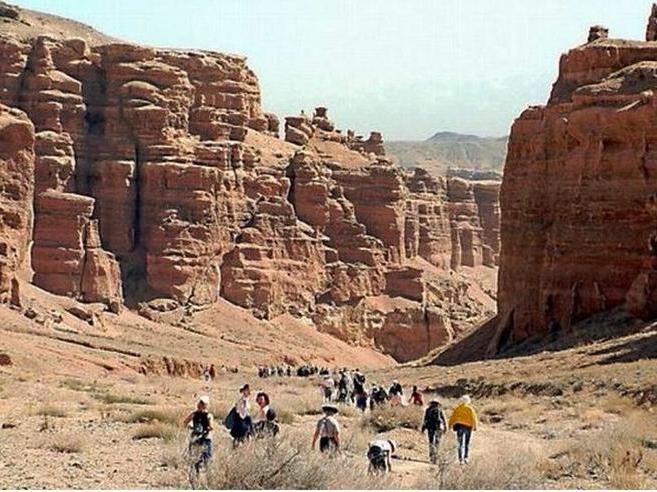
{"points": [[406, 67]]}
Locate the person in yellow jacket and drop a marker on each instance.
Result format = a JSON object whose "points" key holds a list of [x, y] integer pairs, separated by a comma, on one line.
{"points": [[463, 421]]}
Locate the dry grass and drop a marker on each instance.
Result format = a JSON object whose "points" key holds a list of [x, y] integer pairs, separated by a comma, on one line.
{"points": [[112, 398], [79, 385], [66, 443], [356, 438], [156, 430], [614, 454], [385, 418], [164, 416], [499, 410], [506, 469], [51, 411], [284, 416], [287, 463]]}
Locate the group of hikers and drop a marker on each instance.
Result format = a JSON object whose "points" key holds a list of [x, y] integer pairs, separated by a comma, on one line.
{"points": [[244, 423], [301, 371], [350, 387]]}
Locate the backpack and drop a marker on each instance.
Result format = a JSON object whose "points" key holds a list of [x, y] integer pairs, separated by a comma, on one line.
{"points": [[200, 424], [229, 421]]}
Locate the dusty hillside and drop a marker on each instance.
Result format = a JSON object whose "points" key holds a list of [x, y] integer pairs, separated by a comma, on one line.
{"points": [[24, 24], [447, 150]]}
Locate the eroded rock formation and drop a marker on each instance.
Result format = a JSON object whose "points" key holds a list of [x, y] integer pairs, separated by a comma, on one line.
{"points": [[578, 218], [16, 196], [155, 175]]}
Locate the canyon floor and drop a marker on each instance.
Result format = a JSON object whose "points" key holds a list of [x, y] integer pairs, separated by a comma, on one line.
{"points": [[76, 411]]}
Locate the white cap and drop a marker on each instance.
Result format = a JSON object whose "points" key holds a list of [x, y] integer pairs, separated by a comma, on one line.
{"points": [[465, 399], [205, 399]]}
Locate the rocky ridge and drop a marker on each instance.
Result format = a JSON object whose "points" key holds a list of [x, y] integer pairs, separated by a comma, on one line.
{"points": [[135, 174], [578, 195]]}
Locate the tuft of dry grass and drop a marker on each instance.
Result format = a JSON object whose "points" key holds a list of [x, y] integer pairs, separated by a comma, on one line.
{"points": [[613, 454], [385, 418], [498, 410], [112, 398], [288, 463], [156, 430], [51, 411], [509, 468], [165, 416], [66, 443], [284, 416]]}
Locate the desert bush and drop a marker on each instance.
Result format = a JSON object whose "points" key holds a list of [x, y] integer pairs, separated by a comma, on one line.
{"points": [[220, 409], [78, 385], [66, 443], [165, 416], [614, 454], [385, 418], [356, 438], [494, 411], [509, 468], [299, 404], [156, 430], [51, 411], [284, 416], [112, 398], [287, 463]]}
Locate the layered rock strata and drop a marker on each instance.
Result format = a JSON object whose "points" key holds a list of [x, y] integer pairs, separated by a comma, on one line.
{"points": [[578, 221], [153, 175]]}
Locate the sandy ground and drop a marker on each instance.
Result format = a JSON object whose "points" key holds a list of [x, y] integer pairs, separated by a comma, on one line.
{"points": [[71, 396], [532, 422]]}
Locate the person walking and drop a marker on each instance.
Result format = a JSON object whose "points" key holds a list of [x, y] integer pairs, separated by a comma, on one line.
{"points": [[201, 423], [416, 397], [396, 392], [435, 425], [327, 387], [239, 419], [327, 431], [463, 421]]}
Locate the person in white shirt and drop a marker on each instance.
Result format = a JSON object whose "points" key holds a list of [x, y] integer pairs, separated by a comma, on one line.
{"points": [[379, 454], [328, 385], [241, 424], [264, 421]]}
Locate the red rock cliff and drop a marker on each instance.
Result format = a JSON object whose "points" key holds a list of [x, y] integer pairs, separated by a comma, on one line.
{"points": [[578, 222], [155, 173]]}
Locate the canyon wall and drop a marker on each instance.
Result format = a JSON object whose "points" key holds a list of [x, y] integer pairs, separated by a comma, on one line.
{"points": [[139, 174], [578, 227]]}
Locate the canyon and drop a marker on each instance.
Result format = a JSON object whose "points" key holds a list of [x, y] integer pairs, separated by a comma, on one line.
{"points": [[152, 179]]}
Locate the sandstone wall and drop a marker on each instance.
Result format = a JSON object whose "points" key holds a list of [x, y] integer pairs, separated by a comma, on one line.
{"points": [[155, 177], [16, 196], [578, 221]]}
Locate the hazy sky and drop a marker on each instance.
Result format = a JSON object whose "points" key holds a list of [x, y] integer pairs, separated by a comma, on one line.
{"points": [[408, 68]]}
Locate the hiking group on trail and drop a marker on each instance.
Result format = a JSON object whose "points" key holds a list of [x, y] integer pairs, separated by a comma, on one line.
{"points": [[346, 388]]}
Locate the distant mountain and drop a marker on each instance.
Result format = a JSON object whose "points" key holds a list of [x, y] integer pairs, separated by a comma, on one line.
{"points": [[449, 150]]}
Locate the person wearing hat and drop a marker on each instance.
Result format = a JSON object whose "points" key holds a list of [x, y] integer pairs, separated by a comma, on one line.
{"points": [[201, 422], [328, 431], [241, 423], [463, 421], [435, 425], [379, 454]]}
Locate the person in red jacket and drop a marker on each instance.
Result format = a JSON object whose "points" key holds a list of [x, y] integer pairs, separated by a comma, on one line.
{"points": [[416, 397]]}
